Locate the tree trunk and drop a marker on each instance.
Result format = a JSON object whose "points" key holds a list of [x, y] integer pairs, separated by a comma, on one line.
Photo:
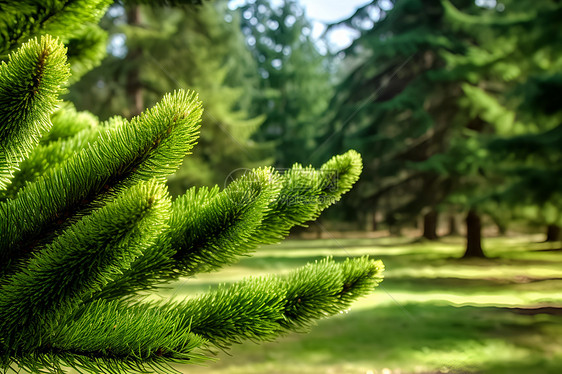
{"points": [[133, 84], [453, 227], [552, 233], [374, 224], [473, 235], [430, 225]]}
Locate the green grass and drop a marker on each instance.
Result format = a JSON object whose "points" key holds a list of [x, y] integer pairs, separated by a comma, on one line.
{"points": [[434, 313]]}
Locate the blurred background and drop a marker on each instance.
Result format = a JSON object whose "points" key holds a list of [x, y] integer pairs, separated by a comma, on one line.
{"points": [[455, 106]]}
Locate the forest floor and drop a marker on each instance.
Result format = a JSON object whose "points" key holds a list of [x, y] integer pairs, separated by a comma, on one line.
{"points": [[433, 313]]}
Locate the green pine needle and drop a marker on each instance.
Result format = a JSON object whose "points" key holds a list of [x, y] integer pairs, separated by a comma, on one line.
{"points": [[86, 223], [88, 253], [29, 87], [263, 308], [150, 146]]}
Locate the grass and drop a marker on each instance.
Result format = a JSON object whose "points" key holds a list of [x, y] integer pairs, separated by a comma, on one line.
{"points": [[434, 313]]}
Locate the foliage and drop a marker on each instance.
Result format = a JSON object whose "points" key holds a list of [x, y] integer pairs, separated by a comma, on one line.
{"points": [[396, 107], [74, 21], [519, 77], [87, 227], [294, 86], [170, 48], [443, 102]]}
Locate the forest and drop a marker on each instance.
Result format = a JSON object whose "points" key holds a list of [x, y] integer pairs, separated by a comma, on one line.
{"points": [[407, 184], [451, 104]]}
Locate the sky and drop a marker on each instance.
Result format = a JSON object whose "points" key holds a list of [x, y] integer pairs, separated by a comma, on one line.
{"points": [[321, 12], [329, 11]]}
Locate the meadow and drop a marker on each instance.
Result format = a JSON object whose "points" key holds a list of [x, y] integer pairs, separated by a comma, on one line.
{"points": [[433, 313]]}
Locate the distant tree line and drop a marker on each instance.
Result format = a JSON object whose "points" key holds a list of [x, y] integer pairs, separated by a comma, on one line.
{"points": [[452, 103]]}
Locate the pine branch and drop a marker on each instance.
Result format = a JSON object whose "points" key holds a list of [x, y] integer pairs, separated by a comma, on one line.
{"points": [[89, 254], [25, 19], [105, 338], [306, 193], [263, 308], [151, 146], [29, 86], [71, 132], [208, 229], [339, 174], [210, 233], [68, 122]]}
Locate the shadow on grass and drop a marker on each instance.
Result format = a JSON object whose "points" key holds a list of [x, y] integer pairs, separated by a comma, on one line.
{"points": [[422, 336], [414, 338], [449, 283], [428, 335], [265, 261]]}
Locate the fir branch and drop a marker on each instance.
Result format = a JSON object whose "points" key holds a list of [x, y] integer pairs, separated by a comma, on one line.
{"points": [[263, 308], [210, 229], [49, 156], [89, 254], [68, 122], [103, 337], [149, 272], [247, 310], [24, 19], [306, 192], [29, 86], [211, 234], [104, 334], [334, 288], [71, 132], [339, 174], [150, 146]]}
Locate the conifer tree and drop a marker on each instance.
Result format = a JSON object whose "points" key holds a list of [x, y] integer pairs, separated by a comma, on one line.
{"points": [[190, 47], [509, 67], [455, 86], [294, 81], [395, 107], [86, 225]]}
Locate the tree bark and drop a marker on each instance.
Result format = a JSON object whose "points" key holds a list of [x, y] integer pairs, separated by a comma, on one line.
{"points": [[374, 224], [453, 227], [473, 235], [552, 233], [430, 225]]}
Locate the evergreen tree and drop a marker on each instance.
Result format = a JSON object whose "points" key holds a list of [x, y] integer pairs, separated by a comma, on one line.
{"points": [[294, 86], [186, 47], [86, 224], [439, 83], [395, 106], [510, 67]]}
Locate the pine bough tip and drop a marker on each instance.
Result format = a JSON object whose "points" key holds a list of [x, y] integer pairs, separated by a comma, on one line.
{"points": [[29, 87]]}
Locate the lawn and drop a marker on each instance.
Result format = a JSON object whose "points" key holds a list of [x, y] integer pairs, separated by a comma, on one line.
{"points": [[434, 313]]}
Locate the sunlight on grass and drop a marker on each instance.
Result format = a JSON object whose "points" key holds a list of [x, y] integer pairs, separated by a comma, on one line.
{"points": [[432, 313], [470, 354]]}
